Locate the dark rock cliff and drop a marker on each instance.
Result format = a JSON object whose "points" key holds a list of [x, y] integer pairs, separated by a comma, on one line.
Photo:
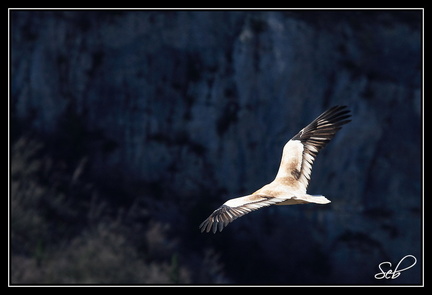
{"points": [[182, 110]]}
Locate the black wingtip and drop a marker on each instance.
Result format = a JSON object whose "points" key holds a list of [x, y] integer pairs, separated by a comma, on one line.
{"points": [[205, 226], [218, 220], [338, 114], [321, 130], [210, 225]]}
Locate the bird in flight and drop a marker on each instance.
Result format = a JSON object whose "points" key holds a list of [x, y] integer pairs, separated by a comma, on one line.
{"points": [[292, 179]]}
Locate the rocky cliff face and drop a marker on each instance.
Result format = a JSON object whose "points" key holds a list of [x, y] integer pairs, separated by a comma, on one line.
{"points": [[183, 110]]}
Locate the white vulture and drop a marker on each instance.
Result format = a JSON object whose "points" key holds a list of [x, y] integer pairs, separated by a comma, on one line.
{"points": [[292, 179]]}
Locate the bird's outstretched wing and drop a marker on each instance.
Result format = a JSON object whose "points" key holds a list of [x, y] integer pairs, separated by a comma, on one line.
{"points": [[234, 209], [299, 153]]}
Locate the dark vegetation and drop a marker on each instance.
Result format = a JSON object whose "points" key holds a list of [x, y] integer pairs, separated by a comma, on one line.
{"points": [[65, 231]]}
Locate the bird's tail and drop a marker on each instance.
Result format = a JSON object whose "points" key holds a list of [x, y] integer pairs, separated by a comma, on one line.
{"points": [[314, 199], [304, 199]]}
